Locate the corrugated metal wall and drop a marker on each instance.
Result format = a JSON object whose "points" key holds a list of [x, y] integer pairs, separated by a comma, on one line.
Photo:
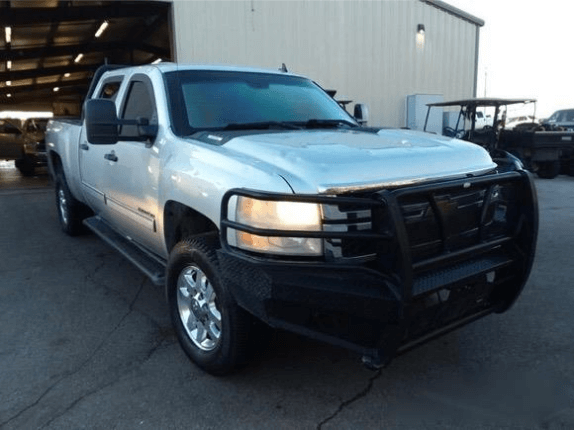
{"points": [[366, 50]]}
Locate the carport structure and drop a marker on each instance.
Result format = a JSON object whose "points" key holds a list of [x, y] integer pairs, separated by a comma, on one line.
{"points": [[49, 49]]}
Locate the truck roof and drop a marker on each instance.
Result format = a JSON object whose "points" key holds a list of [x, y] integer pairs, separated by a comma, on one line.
{"points": [[165, 67]]}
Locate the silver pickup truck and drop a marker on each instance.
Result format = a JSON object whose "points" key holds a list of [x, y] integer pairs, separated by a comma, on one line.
{"points": [[254, 197]]}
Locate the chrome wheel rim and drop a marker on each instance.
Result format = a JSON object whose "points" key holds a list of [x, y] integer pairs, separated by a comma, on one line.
{"points": [[198, 311], [63, 205]]}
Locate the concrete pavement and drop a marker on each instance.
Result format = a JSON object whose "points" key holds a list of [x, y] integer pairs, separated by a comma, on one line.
{"points": [[86, 342]]}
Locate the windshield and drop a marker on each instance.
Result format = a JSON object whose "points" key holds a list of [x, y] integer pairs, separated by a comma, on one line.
{"points": [[215, 100]]}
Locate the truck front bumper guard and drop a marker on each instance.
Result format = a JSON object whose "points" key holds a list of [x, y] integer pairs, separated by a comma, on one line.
{"points": [[401, 266]]}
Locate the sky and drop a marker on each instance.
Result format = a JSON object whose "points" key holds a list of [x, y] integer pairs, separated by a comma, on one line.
{"points": [[526, 51]]}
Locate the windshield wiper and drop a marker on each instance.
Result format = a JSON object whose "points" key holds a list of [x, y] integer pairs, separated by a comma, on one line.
{"points": [[283, 125], [329, 123], [261, 125]]}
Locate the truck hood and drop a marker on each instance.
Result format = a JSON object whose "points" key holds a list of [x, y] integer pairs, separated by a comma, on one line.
{"points": [[337, 161]]}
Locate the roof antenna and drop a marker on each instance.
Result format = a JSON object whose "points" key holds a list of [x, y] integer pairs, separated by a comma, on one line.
{"points": [[283, 68]]}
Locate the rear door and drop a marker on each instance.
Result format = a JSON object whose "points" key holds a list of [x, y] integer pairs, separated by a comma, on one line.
{"points": [[93, 159], [132, 178]]}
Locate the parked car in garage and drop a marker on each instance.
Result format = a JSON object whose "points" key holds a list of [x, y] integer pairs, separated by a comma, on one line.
{"points": [[11, 140], [34, 147], [23, 143]]}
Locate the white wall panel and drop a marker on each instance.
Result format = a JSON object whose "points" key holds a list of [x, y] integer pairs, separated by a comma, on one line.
{"points": [[364, 49]]}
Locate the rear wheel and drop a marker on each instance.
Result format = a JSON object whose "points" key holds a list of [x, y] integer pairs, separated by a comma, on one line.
{"points": [[212, 329], [71, 212], [548, 169]]}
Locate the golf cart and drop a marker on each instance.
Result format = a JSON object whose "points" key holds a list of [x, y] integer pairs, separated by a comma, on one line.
{"points": [[539, 149]]}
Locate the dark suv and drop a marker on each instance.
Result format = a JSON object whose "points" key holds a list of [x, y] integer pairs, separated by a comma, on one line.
{"points": [[562, 118]]}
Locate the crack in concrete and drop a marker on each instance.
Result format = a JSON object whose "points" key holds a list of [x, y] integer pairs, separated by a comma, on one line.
{"points": [[78, 400], [361, 394], [89, 277], [83, 364], [89, 274], [103, 387]]}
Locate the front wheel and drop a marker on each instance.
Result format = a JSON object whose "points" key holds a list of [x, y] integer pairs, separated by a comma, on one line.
{"points": [[212, 329]]}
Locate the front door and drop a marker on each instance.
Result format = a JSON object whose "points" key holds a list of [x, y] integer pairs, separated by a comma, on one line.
{"points": [[131, 184]]}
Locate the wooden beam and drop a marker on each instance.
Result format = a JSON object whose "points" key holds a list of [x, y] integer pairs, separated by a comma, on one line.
{"points": [[57, 51], [23, 16]]}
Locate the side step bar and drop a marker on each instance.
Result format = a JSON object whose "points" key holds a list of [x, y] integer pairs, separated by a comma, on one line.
{"points": [[149, 264]]}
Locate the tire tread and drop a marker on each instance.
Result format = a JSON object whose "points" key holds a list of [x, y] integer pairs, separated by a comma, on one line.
{"points": [[234, 349]]}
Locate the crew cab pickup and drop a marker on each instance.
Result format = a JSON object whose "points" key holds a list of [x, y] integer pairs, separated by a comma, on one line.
{"points": [[254, 197]]}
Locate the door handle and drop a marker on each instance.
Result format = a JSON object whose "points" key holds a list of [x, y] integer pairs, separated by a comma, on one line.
{"points": [[85, 147], [111, 156]]}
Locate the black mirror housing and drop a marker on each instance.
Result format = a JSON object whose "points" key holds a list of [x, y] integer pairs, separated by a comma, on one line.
{"points": [[361, 113], [101, 122], [148, 132]]}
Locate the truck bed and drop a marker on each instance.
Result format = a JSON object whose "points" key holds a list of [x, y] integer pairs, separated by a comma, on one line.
{"points": [[536, 139]]}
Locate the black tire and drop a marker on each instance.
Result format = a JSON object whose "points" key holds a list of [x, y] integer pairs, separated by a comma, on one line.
{"points": [[571, 168], [212, 329], [548, 169], [25, 166], [71, 212]]}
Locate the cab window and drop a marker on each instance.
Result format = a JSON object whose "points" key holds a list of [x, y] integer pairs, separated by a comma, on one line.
{"points": [[139, 104]]}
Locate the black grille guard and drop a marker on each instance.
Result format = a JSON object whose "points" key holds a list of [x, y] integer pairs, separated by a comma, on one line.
{"points": [[434, 294], [384, 205]]}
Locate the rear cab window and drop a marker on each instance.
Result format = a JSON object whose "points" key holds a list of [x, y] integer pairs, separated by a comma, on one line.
{"points": [[110, 88]]}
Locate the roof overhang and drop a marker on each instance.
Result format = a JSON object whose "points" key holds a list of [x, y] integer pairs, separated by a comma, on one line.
{"points": [[459, 13]]}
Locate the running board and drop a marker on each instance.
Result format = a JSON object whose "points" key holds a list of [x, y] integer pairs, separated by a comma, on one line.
{"points": [[149, 264]]}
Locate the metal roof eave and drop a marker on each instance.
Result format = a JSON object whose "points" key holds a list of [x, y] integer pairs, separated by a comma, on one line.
{"points": [[455, 11]]}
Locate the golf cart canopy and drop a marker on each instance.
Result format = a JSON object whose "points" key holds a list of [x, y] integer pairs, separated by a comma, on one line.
{"points": [[486, 136], [482, 102]]}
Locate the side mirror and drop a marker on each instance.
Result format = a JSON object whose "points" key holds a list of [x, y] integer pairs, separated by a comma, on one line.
{"points": [[101, 122], [361, 113], [146, 130]]}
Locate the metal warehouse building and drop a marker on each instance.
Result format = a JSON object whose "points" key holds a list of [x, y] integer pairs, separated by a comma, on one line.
{"points": [[374, 52]]}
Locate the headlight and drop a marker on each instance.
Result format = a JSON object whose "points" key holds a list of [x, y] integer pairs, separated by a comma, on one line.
{"points": [[278, 216]]}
